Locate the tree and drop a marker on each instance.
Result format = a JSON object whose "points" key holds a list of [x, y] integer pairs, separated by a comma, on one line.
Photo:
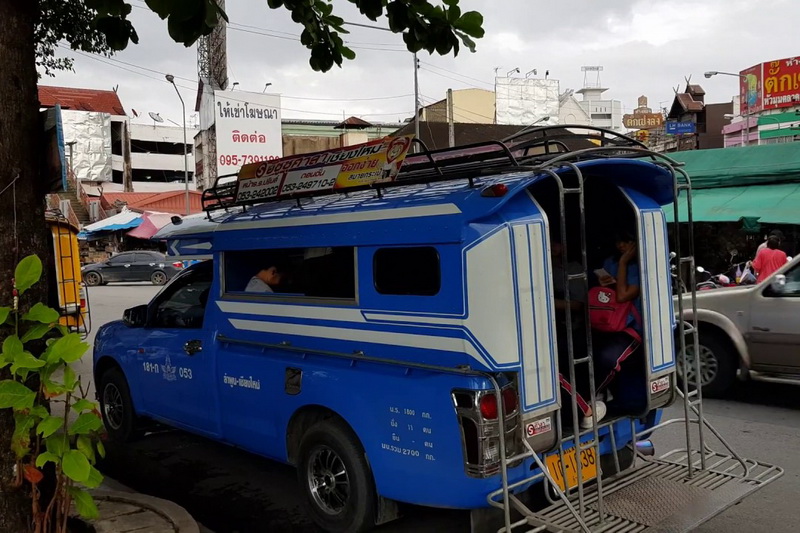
{"points": [[29, 34]]}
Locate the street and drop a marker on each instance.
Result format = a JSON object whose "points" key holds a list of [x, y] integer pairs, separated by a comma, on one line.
{"points": [[228, 490]]}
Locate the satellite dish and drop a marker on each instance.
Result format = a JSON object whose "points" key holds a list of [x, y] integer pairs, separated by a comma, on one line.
{"points": [[156, 117]]}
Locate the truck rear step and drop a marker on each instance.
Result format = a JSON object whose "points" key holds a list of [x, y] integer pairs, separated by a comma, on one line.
{"points": [[658, 496]]}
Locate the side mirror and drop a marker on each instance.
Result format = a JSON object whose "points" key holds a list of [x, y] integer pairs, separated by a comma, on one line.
{"points": [[135, 317], [778, 283]]}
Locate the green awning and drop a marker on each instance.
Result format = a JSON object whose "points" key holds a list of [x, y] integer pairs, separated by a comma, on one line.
{"points": [[778, 203], [736, 167]]}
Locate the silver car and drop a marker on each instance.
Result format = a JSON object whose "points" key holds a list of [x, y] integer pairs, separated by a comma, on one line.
{"points": [[752, 331]]}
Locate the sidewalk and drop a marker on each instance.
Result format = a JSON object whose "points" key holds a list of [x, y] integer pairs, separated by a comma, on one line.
{"points": [[125, 511]]}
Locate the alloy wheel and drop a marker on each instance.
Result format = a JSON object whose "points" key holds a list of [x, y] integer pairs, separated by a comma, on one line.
{"points": [[709, 366], [328, 480], [113, 406]]}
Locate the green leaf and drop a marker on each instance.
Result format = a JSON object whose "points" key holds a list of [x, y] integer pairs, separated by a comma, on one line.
{"points": [[36, 332], [68, 349], [28, 272], [12, 346], [83, 405], [101, 449], [75, 466], [26, 360], [4, 313], [56, 444], [84, 445], [70, 380], [84, 503], [49, 425], [40, 411], [470, 23], [41, 313], [348, 53], [15, 395], [85, 424], [95, 478], [47, 457]]}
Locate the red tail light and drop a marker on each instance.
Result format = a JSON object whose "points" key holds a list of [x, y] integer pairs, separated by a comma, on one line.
{"points": [[510, 402], [177, 264], [488, 406], [83, 303]]}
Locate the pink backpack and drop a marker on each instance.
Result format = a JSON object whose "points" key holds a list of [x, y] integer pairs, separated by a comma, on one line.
{"points": [[606, 314]]}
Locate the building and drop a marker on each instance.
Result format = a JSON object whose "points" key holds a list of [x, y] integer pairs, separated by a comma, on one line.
{"points": [[472, 106], [691, 124], [603, 112], [98, 132]]}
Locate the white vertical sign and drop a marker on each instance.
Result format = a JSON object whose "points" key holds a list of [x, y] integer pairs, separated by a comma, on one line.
{"points": [[248, 129]]}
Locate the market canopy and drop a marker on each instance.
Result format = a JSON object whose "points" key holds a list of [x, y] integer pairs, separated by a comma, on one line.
{"points": [[771, 204], [150, 224], [747, 165], [125, 219]]}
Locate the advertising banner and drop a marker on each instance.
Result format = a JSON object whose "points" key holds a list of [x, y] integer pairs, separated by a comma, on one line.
{"points": [[750, 90], [643, 121], [680, 128], [248, 129], [781, 86], [362, 164]]}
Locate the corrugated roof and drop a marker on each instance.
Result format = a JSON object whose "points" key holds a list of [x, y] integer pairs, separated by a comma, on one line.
{"points": [[165, 202], [352, 123], [81, 99]]}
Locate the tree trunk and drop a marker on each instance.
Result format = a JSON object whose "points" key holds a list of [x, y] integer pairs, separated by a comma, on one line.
{"points": [[22, 227]]}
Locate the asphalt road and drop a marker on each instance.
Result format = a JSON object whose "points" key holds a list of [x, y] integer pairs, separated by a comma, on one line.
{"points": [[229, 490]]}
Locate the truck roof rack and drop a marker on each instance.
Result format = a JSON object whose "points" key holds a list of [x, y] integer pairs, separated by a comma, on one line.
{"points": [[529, 148]]}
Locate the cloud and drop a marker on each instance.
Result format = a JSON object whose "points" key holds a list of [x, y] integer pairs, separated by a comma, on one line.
{"points": [[646, 48]]}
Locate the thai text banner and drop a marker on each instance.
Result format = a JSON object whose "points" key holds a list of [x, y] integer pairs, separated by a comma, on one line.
{"points": [[362, 164]]}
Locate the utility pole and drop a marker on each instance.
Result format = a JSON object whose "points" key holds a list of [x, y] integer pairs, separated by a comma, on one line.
{"points": [[451, 131], [416, 98], [127, 171]]}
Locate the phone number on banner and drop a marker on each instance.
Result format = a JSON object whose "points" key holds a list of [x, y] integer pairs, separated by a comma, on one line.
{"points": [[244, 159]]}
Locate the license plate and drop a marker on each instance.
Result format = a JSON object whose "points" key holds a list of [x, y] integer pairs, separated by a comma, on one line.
{"points": [[588, 467]]}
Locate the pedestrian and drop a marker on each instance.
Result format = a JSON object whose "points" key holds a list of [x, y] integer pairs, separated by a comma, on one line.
{"points": [[774, 233], [769, 259]]}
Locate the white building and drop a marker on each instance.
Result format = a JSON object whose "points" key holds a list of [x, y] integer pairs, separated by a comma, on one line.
{"points": [[604, 113]]}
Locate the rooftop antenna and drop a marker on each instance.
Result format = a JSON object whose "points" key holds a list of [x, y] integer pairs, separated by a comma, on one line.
{"points": [[156, 118], [512, 71], [527, 74]]}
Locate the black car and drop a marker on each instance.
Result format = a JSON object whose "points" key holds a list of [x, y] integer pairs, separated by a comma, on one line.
{"points": [[140, 265]]}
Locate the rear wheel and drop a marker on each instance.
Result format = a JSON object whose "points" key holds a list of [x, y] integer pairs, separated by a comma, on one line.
{"points": [[92, 279], [158, 277], [336, 479], [717, 364], [116, 406]]}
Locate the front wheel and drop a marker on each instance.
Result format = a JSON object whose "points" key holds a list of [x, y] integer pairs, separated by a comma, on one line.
{"points": [[717, 365], [116, 406], [336, 479], [158, 278]]}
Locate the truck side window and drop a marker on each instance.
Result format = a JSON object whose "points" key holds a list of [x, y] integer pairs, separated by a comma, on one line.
{"points": [[183, 304], [407, 271], [320, 272]]}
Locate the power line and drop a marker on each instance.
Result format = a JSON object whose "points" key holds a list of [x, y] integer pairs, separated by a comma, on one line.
{"points": [[456, 73], [449, 77]]}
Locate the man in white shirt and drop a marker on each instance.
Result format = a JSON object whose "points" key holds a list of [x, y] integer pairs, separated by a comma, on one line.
{"points": [[264, 280]]}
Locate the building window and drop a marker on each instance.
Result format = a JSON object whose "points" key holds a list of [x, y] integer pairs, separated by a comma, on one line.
{"points": [[407, 271], [327, 273]]}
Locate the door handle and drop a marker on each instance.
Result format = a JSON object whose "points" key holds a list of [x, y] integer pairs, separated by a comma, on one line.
{"points": [[192, 347], [758, 328]]}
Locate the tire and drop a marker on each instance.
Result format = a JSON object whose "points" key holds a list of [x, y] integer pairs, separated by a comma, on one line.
{"points": [[335, 506], [92, 279], [116, 407], [718, 364], [159, 277]]}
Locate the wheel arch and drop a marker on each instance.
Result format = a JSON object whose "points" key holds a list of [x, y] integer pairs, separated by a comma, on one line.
{"points": [[103, 365], [724, 328], [302, 420]]}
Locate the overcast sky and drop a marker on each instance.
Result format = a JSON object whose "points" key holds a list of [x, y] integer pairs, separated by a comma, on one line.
{"points": [[645, 47]]}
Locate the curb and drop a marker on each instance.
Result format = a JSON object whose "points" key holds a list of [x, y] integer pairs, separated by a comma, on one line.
{"points": [[181, 520]]}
